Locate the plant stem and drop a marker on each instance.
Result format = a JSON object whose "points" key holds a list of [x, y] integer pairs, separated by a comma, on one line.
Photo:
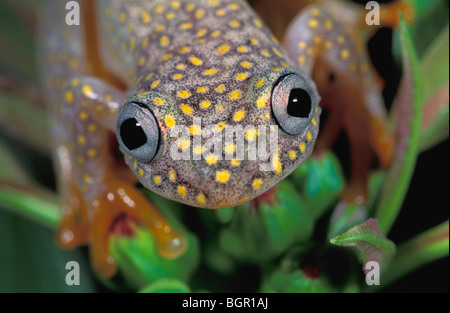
{"points": [[35, 204], [425, 248]]}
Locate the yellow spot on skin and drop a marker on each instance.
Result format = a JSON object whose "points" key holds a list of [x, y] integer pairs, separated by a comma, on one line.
{"points": [[235, 162], [170, 121], [211, 159], [80, 160], [238, 116], [215, 33], [234, 24], [195, 130], [87, 90], [160, 28], [145, 17], [220, 126], [134, 164], [182, 191], [257, 22], [166, 57], [277, 52], [142, 61], [233, 6], [302, 45], [234, 95], [313, 23], [141, 172], [329, 25], [317, 40], [328, 44], [83, 115], [87, 179], [177, 76], [155, 84], [220, 88], [92, 153], [205, 104], [230, 148], [241, 76], [158, 101], [254, 41], [222, 176], [302, 147], [184, 94], [75, 82], [261, 102], [92, 128], [201, 199], [196, 61], [210, 72], [172, 176], [301, 59], [180, 66], [345, 54], [184, 49], [219, 107], [292, 155], [251, 134], [198, 150], [341, 40], [223, 49], [122, 17], [260, 82], [157, 180], [132, 43], [170, 16], [199, 14], [309, 136], [277, 164], [242, 49], [315, 12], [159, 9], [186, 26], [164, 41], [175, 4], [265, 53], [145, 43], [201, 33], [186, 109], [257, 183], [220, 12], [246, 64], [190, 7], [69, 96], [314, 122], [202, 89], [81, 139]]}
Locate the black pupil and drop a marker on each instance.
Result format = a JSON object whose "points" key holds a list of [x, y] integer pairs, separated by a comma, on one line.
{"points": [[299, 104], [132, 134]]}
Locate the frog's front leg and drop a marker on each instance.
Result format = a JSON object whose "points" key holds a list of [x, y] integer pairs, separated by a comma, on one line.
{"points": [[350, 90], [94, 190]]}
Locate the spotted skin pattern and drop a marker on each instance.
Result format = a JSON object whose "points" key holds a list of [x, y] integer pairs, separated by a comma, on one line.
{"points": [[208, 59]]}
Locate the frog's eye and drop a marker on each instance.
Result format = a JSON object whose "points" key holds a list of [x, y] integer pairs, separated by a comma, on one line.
{"points": [[138, 132], [293, 101]]}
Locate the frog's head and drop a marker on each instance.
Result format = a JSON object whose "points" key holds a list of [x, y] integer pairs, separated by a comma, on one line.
{"points": [[176, 128]]}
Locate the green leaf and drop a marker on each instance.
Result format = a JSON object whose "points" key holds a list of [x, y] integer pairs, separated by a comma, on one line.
{"points": [[262, 230], [369, 241], [320, 181], [435, 71], [295, 282], [166, 286], [138, 258], [407, 118], [31, 262], [425, 248]]}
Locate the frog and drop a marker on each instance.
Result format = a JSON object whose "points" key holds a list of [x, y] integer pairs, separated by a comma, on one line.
{"points": [[135, 72]]}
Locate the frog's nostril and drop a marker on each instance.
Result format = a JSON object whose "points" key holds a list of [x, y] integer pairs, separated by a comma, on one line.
{"points": [[132, 134], [299, 104]]}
